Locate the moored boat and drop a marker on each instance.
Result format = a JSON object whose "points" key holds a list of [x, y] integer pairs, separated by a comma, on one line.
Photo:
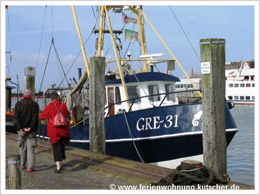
{"points": [[240, 82], [144, 119]]}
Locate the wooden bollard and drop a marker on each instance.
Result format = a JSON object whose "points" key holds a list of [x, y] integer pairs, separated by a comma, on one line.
{"points": [[13, 172], [212, 58]]}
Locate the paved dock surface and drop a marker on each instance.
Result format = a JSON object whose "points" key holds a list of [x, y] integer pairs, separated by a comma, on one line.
{"points": [[85, 170]]}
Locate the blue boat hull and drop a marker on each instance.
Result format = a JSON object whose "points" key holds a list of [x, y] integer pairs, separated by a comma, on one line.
{"points": [[160, 134]]}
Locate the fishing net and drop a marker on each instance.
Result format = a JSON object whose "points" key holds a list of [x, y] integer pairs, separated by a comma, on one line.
{"points": [[195, 176]]}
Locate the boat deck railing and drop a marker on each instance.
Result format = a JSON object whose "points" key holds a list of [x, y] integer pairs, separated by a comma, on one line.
{"points": [[133, 100]]}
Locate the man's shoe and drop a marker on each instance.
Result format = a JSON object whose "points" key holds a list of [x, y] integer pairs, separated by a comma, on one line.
{"points": [[30, 170]]}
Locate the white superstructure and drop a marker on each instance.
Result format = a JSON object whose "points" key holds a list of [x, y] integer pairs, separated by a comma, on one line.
{"points": [[240, 84]]}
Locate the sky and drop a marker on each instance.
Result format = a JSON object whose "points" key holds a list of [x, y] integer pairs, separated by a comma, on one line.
{"points": [[29, 41]]}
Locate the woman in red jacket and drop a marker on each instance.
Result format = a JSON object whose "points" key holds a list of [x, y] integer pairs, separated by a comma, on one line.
{"points": [[58, 136]]}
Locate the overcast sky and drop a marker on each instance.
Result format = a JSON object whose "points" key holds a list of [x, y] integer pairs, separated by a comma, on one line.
{"points": [[234, 23]]}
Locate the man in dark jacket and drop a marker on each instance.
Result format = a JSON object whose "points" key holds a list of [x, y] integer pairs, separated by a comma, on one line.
{"points": [[26, 114]]}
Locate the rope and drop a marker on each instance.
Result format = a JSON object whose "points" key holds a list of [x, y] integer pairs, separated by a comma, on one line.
{"points": [[129, 130], [79, 122], [193, 177]]}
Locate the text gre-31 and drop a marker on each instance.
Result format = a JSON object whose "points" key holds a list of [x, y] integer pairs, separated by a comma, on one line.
{"points": [[152, 123]]}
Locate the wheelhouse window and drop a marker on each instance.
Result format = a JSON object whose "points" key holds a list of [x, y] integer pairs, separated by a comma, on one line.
{"points": [[247, 97], [248, 85], [118, 95], [230, 85], [242, 85], [133, 92], [236, 85], [111, 96], [168, 89], [253, 85], [242, 97], [230, 97], [153, 90]]}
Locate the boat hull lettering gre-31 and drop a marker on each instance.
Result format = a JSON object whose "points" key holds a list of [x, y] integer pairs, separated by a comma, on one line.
{"points": [[152, 123]]}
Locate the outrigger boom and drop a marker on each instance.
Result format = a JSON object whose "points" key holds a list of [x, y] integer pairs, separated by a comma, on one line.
{"points": [[140, 20]]}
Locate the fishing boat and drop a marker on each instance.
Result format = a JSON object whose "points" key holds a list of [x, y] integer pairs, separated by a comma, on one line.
{"points": [[9, 112], [144, 119]]}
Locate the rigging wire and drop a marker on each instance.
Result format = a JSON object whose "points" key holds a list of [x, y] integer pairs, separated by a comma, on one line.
{"points": [[56, 52], [10, 40], [59, 69], [80, 51], [184, 33], [93, 11], [76, 58], [41, 39], [109, 46], [55, 49], [45, 68], [52, 23]]}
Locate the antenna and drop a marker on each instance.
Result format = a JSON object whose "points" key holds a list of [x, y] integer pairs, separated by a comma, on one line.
{"points": [[153, 62], [151, 56]]}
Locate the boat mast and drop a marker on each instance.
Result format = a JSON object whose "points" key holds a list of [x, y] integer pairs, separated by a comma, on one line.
{"points": [[80, 40], [140, 21], [116, 53], [100, 34]]}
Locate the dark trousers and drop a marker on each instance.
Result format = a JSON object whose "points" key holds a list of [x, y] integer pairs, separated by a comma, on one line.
{"points": [[59, 150]]}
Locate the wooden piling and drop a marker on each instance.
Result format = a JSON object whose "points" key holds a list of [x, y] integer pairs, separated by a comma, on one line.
{"points": [[213, 88], [29, 79], [97, 105], [13, 172]]}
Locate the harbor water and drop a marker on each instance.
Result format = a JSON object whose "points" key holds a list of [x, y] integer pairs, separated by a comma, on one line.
{"points": [[240, 153]]}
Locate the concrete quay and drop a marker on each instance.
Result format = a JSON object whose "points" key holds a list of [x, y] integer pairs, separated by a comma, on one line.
{"points": [[85, 170]]}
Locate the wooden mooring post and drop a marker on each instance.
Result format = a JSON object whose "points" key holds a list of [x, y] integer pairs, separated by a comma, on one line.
{"points": [[29, 79], [212, 55], [13, 172], [97, 105]]}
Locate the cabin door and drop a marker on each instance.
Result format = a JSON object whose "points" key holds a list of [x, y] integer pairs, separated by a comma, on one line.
{"points": [[111, 100]]}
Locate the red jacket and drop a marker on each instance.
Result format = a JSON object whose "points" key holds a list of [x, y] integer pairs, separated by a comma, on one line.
{"points": [[48, 113]]}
